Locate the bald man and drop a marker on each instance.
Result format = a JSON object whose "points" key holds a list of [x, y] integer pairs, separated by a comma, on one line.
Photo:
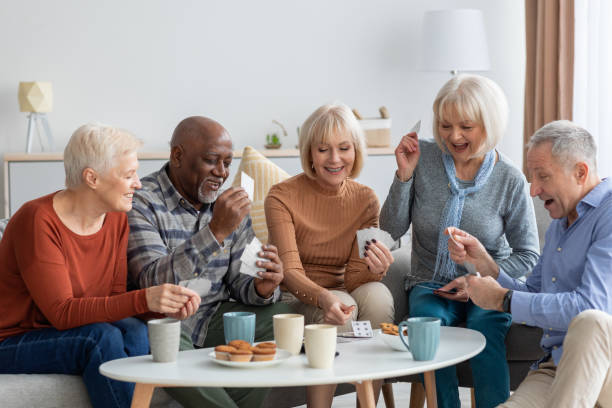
{"points": [[184, 231]]}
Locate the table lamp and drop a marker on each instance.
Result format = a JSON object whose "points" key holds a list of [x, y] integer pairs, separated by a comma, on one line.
{"points": [[454, 40], [37, 99]]}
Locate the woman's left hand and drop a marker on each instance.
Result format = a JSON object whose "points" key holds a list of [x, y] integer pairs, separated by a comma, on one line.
{"points": [[377, 257]]}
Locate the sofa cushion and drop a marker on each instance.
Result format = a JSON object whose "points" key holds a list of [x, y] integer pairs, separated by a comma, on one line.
{"points": [[265, 174]]}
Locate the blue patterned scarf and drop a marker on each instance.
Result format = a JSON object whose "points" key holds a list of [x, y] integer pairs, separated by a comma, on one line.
{"points": [[451, 215]]}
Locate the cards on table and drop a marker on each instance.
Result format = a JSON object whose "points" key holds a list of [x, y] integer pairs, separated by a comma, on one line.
{"points": [[249, 257], [371, 233], [362, 328], [248, 184], [416, 128]]}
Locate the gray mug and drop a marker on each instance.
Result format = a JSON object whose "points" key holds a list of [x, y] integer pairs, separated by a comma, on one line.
{"points": [[164, 339], [423, 337]]}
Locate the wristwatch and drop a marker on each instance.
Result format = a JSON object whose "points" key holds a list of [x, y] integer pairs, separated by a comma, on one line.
{"points": [[507, 301]]}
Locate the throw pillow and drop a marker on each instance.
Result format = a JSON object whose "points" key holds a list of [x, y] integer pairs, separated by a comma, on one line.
{"points": [[265, 174]]}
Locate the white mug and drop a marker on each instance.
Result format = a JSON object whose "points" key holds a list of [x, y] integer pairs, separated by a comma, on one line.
{"points": [[289, 332], [164, 339], [320, 344]]}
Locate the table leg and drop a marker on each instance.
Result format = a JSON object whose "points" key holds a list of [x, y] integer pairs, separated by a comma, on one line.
{"points": [[430, 389], [365, 394], [142, 395]]}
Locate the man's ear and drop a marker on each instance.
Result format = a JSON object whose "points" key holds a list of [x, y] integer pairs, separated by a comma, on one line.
{"points": [[581, 172], [90, 178], [176, 156]]}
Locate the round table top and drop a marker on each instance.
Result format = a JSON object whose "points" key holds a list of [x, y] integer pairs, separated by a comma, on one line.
{"points": [[361, 359]]}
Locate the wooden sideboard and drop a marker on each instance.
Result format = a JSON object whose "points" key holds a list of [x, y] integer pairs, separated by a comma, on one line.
{"points": [[28, 176]]}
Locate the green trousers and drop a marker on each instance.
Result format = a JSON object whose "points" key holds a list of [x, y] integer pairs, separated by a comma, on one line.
{"points": [[204, 397]]}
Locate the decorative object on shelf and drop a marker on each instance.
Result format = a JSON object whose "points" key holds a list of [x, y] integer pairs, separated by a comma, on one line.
{"points": [[272, 139], [460, 46], [37, 99], [377, 131]]}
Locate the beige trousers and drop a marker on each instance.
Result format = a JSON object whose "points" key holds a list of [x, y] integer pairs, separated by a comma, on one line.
{"points": [[584, 375], [373, 301]]}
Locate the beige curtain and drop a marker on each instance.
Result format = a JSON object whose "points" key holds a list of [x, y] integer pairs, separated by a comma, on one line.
{"points": [[549, 74]]}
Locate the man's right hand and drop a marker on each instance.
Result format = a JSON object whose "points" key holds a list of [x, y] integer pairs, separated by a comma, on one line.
{"points": [[230, 209], [407, 156], [336, 312]]}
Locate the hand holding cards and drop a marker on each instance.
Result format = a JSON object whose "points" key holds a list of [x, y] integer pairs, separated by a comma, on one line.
{"points": [[372, 234], [249, 257]]}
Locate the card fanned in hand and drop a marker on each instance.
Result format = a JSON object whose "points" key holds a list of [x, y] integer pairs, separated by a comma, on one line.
{"points": [[249, 257]]}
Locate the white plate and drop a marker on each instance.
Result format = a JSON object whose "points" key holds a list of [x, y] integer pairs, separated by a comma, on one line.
{"points": [[393, 341], [281, 355]]}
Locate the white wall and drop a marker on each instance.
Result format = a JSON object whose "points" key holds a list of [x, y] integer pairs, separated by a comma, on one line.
{"points": [[146, 64]]}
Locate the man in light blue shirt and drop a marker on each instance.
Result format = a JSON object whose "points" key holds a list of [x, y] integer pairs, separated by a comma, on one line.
{"points": [[573, 274]]}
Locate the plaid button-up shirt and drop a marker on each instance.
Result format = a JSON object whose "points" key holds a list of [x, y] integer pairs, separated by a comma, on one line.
{"points": [[170, 241]]}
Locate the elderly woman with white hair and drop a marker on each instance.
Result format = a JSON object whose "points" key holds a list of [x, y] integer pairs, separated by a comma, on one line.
{"points": [[313, 219], [63, 272], [461, 180]]}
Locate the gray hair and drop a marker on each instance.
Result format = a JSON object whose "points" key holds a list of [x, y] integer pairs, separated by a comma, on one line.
{"points": [[321, 125], [95, 146], [474, 98], [570, 143]]}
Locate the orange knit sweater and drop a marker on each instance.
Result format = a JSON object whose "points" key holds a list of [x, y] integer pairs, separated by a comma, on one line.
{"points": [[315, 232], [52, 277]]}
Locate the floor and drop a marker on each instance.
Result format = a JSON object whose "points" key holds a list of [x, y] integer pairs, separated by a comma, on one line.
{"points": [[401, 393]]}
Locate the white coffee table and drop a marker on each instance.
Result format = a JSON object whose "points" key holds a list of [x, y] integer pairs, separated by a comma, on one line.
{"points": [[359, 362]]}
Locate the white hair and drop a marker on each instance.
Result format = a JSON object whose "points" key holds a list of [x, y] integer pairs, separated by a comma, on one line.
{"points": [[95, 146], [475, 98], [570, 143]]}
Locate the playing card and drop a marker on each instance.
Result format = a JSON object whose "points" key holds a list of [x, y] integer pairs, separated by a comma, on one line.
{"points": [[362, 328], [200, 286], [416, 128], [371, 233], [249, 257], [248, 184]]}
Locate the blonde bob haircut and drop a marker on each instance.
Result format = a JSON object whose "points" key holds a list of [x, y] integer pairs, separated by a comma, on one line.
{"points": [[322, 125], [95, 146], [474, 98]]}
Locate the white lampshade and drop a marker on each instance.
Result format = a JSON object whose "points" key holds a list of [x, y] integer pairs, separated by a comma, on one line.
{"points": [[454, 40], [35, 96]]}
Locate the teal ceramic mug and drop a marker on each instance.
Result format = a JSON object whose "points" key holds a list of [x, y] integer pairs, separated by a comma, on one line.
{"points": [[239, 326], [423, 337]]}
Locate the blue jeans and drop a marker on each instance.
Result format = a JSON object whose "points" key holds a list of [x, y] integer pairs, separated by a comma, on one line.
{"points": [[489, 368], [79, 351]]}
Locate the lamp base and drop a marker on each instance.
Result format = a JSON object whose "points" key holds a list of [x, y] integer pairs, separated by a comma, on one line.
{"points": [[33, 122]]}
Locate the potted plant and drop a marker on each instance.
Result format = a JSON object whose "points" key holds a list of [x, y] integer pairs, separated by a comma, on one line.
{"points": [[272, 139]]}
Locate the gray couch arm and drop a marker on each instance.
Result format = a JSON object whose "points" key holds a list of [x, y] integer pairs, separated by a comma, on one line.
{"points": [[394, 280]]}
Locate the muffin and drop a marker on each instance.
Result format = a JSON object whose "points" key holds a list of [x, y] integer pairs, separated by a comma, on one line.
{"points": [[263, 353], [240, 355], [267, 345], [222, 352], [240, 344]]}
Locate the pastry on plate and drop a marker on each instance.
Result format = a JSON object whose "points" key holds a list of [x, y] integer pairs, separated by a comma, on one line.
{"points": [[240, 355], [222, 352], [240, 344], [263, 353]]}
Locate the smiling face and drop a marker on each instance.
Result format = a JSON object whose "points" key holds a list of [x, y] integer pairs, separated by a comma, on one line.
{"points": [[553, 183], [117, 185], [200, 164], [333, 159], [462, 137]]}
